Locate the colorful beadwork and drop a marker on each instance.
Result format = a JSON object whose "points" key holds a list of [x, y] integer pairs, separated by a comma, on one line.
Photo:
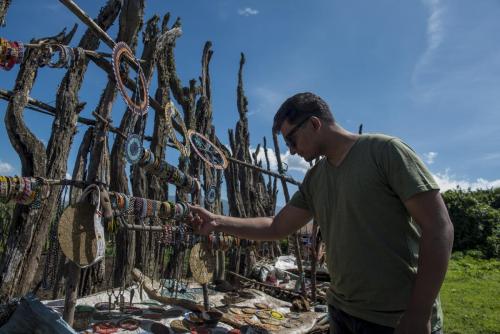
{"points": [[207, 151], [120, 50]]}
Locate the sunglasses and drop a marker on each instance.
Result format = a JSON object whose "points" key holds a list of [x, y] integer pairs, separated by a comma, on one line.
{"points": [[289, 141]]}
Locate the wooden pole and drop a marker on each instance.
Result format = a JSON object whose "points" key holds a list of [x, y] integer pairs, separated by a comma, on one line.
{"points": [[73, 7], [265, 171], [46, 109], [71, 292], [298, 253]]}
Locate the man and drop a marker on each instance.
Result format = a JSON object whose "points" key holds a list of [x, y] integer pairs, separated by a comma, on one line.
{"points": [[386, 228]]}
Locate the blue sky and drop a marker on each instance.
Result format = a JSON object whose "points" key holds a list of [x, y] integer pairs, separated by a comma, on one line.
{"points": [[425, 71]]}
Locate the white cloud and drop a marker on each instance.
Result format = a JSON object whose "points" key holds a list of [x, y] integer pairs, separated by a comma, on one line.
{"points": [[5, 167], [273, 162], [265, 101], [247, 11], [448, 181], [429, 157], [68, 176], [294, 162], [435, 36], [491, 156]]}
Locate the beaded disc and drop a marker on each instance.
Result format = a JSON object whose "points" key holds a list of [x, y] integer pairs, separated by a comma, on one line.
{"points": [[276, 315], [76, 233], [248, 310], [178, 326], [263, 314], [262, 306], [207, 150], [211, 195], [133, 149], [202, 264], [270, 321]]}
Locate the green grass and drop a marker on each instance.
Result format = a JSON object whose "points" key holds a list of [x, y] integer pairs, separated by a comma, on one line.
{"points": [[471, 296]]}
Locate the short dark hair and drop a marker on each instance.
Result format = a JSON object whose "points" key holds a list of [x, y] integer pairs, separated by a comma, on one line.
{"points": [[300, 106]]}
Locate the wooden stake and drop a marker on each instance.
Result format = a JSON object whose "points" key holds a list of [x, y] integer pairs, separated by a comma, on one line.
{"points": [[71, 292], [298, 253], [73, 7]]}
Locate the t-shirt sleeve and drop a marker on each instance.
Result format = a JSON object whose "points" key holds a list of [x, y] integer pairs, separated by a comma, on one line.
{"points": [[406, 173], [301, 198], [298, 200]]}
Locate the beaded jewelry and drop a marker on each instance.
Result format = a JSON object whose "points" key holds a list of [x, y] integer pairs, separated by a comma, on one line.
{"points": [[172, 112], [207, 151], [133, 149], [149, 211], [211, 194], [144, 208], [120, 50], [70, 59]]}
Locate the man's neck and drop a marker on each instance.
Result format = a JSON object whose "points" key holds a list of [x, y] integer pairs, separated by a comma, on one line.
{"points": [[339, 143]]}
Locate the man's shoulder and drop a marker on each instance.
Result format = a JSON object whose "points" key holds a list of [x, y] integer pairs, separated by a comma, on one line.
{"points": [[377, 138], [314, 170], [377, 142]]}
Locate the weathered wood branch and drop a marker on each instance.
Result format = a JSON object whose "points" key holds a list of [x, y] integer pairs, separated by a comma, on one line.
{"points": [[29, 232], [4, 6], [23, 246], [293, 239], [150, 36], [46, 109], [80, 168], [156, 189], [96, 28]]}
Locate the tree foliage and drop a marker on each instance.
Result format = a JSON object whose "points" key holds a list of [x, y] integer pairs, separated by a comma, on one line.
{"points": [[476, 219]]}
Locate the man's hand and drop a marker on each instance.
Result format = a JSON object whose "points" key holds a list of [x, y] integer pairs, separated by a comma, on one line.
{"points": [[202, 220], [412, 323]]}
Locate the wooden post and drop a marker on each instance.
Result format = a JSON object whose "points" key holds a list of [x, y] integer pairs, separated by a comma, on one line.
{"points": [[73, 7], [298, 253], [71, 292]]}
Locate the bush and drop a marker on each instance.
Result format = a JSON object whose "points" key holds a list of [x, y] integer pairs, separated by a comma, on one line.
{"points": [[476, 219]]}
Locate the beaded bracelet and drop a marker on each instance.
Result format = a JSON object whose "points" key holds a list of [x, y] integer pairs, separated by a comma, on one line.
{"points": [[138, 207], [149, 210], [172, 112], [20, 52], [70, 59], [144, 208], [19, 189], [4, 189], [122, 49], [62, 59], [121, 201], [130, 209]]}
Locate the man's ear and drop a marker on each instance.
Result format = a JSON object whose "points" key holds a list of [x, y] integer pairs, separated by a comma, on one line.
{"points": [[316, 122]]}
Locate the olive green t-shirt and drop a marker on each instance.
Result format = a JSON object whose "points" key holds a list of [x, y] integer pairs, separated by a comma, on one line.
{"points": [[372, 243]]}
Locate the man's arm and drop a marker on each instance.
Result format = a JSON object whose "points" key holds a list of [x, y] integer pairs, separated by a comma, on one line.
{"points": [[430, 213], [287, 221]]}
